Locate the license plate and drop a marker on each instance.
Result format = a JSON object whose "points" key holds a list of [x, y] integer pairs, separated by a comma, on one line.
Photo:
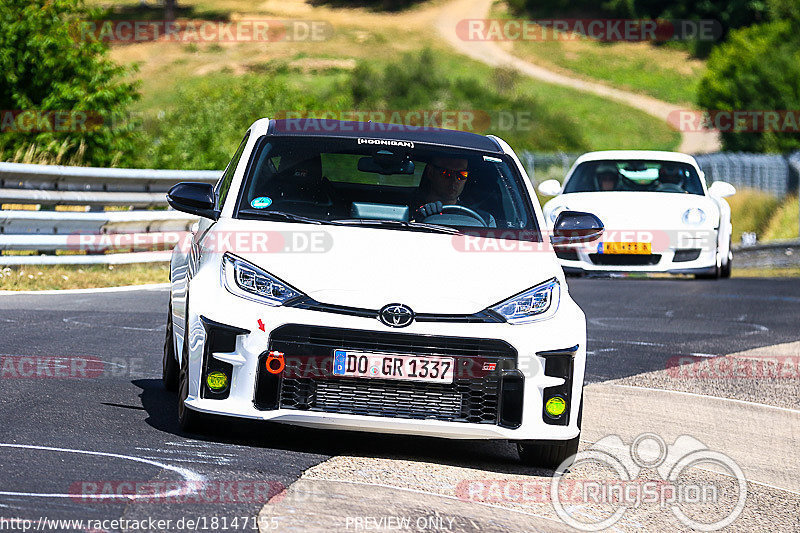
{"points": [[390, 366], [642, 248]]}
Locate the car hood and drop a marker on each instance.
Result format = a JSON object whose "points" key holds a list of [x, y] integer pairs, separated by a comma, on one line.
{"points": [[372, 267], [623, 210]]}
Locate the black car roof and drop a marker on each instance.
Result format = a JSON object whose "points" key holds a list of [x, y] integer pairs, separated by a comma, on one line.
{"points": [[312, 127]]}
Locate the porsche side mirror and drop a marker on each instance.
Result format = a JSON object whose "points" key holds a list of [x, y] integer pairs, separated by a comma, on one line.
{"points": [[549, 188], [721, 189]]}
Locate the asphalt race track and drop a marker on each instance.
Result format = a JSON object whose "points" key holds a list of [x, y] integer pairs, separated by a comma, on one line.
{"points": [[114, 422]]}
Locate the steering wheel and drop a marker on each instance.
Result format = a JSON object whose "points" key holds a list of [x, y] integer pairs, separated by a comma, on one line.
{"points": [[461, 210]]}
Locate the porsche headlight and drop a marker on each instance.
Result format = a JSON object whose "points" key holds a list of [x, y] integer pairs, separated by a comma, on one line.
{"points": [[538, 303], [248, 281], [694, 216]]}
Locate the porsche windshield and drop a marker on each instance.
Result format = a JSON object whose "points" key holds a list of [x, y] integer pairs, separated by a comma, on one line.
{"points": [[630, 175], [416, 187]]}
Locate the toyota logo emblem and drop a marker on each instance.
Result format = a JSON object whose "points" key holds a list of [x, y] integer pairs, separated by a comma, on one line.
{"points": [[396, 315]]}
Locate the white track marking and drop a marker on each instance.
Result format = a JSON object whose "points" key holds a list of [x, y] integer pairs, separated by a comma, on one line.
{"points": [[74, 320], [194, 481], [124, 288], [708, 396]]}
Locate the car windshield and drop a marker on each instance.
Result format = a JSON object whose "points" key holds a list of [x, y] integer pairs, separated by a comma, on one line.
{"points": [[344, 181], [632, 175]]}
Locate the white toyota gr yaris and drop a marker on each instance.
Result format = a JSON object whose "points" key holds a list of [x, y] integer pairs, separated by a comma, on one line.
{"points": [[369, 277]]}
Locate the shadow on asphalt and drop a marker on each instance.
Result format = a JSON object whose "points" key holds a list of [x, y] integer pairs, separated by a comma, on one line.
{"points": [[493, 456]]}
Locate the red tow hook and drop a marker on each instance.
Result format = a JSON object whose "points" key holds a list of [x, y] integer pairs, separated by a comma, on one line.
{"points": [[275, 362]]}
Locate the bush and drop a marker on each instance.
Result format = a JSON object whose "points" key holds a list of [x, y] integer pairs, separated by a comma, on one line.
{"points": [[211, 114], [46, 67], [420, 81], [757, 69], [210, 117]]}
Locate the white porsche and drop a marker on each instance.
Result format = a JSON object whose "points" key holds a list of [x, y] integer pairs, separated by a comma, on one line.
{"points": [[658, 213], [371, 277]]}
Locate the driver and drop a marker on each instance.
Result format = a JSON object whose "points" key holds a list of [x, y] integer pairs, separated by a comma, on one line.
{"points": [[442, 183], [607, 179]]}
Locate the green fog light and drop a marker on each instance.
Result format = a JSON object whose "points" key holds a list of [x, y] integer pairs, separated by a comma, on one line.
{"points": [[217, 381], [555, 406]]}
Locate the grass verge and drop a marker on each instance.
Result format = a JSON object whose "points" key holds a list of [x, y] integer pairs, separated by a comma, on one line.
{"points": [[785, 221], [765, 272], [751, 211], [49, 277]]}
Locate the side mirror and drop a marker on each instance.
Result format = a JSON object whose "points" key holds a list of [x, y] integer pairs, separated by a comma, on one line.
{"points": [[549, 188], [194, 198], [721, 189], [572, 227]]}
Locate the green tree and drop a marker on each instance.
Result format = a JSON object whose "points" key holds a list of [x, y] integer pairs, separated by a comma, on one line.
{"points": [[50, 62], [757, 69]]}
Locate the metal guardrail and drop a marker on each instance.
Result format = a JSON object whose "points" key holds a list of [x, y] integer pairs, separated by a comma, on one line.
{"points": [[47, 231], [51, 232], [777, 254], [55, 222], [55, 177]]}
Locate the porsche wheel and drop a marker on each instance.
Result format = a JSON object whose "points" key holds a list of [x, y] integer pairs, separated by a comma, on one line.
{"points": [[725, 271]]}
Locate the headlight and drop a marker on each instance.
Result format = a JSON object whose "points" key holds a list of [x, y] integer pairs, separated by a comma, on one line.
{"points": [[694, 216], [538, 303], [248, 281]]}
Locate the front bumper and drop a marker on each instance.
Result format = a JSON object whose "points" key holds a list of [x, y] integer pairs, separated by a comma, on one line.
{"points": [[694, 257], [245, 357]]}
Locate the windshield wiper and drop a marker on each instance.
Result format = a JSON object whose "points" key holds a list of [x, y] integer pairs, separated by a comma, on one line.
{"points": [[289, 217], [399, 224]]}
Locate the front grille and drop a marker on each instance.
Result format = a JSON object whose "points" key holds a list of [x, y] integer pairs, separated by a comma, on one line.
{"points": [[461, 401], [473, 397], [688, 254], [625, 259]]}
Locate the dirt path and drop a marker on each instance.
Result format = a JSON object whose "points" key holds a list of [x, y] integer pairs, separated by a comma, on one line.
{"points": [[492, 54]]}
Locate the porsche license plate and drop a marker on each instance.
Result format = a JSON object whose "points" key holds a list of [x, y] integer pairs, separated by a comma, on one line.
{"points": [[642, 248], [390, 366]]}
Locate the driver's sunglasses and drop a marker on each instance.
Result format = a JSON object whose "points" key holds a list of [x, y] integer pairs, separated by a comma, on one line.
{"points": [[460, 175]]}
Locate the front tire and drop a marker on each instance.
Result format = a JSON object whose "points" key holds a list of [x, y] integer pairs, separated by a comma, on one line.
{"points": [[550, 454], [189, 420], [715, 274], [727, 265]]}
